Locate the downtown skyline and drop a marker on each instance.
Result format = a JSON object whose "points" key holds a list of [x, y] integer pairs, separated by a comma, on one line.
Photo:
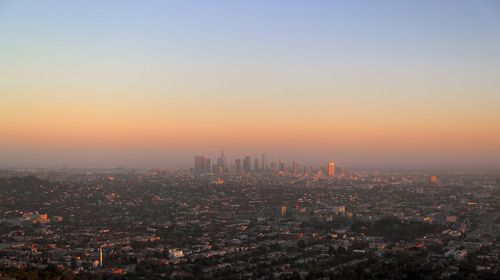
{"points": [[260, 165]]}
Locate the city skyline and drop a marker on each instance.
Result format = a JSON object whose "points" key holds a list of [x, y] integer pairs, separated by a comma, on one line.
{"points": [[372, 84], [259, 164], [155, 159]]}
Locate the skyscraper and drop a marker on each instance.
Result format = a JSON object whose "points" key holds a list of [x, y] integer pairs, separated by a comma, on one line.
{"points": [[281, 166], [339, 171], [199, 165], [247, 163], [221, 161], [208, 166], [257, 166], [331, 169], [295, 168], [274, 167], [237, 162], [202, 165], [263, 162]]}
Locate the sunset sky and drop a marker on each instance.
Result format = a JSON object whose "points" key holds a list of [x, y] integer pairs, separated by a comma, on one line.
{"points": [[153, 83]]}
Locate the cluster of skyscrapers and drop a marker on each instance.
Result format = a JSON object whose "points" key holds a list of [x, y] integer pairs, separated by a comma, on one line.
{"points": [[204, 165]]}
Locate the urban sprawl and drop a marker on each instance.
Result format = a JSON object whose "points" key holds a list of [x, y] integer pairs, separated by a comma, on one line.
{"points": [[248, 219]]}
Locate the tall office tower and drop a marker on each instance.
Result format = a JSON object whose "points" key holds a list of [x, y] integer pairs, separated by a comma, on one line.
{"points": [[237, 162], [221, 161], [295, 168], [256, 165], [199, 165], [331, 169], [281, 166], [274, 167], [321, 172], [263, 162], [247, 163], [208, 166], [339, 170]]}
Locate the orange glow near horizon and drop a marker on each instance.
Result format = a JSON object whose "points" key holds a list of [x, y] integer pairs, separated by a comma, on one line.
{"points": [[90, 127], [308, 79]]}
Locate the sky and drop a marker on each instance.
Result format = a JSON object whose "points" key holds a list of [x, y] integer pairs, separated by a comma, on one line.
{"points": [[152, 83]]}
